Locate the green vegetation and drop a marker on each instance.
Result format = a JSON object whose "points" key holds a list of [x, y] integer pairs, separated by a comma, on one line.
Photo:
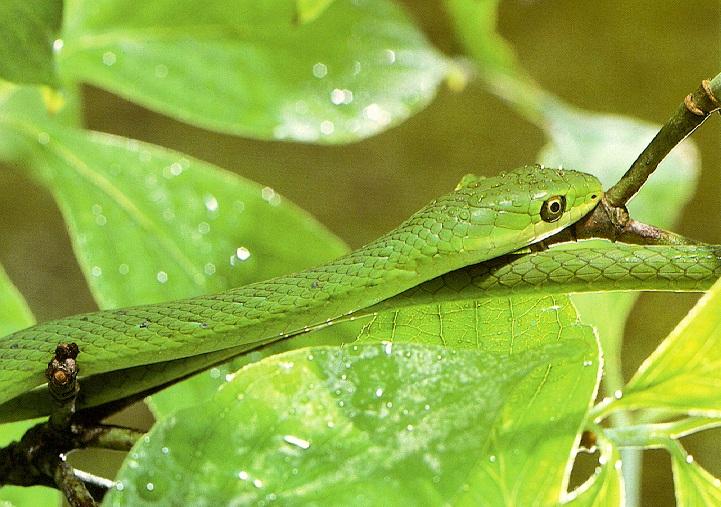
{"points": [[463, 402]]}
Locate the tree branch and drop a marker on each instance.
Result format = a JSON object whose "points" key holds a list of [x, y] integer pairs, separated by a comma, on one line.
{"points": [[694, 110]]}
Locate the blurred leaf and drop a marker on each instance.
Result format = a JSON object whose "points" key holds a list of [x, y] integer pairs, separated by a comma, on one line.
{"points": [[356, 70], [27, 31], [475, 25], [536, 429], [150, 224], [14, 311], [367, 424], [694, 486], [684, 373], [14, 315], [605, 487], [32, 103], [308, 10]]}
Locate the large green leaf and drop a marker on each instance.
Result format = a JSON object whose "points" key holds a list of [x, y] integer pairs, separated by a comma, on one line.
{"points": [[533, 438], [14, 315], [250, 69], [27, 31], [150, 224], [370, 424], [683, 374]]}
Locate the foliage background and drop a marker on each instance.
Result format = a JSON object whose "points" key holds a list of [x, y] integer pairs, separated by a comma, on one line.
{"points": [[637, 59]]}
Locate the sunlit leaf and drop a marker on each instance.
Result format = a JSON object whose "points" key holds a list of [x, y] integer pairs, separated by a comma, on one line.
{"points": [[250, 69], [684, 373], [535, 431], [693, 485], [368, 424], [27, 31]]}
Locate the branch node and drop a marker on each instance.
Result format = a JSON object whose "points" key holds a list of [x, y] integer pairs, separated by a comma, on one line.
{"points": [[62, 374], [706, 85], [691, 106]]}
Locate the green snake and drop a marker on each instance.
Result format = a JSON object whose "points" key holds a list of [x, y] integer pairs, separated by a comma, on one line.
{"points": [[455, 247]]}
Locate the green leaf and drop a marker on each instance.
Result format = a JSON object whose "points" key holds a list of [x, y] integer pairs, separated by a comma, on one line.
{"points": [[605, 487], [14, 315], [356, 70], [475, 25], [684, 373], [14, 311], [535, 431], [27, 31], [150, 224], [693, 485], [40, 105], [368, 424], [308, 10]]}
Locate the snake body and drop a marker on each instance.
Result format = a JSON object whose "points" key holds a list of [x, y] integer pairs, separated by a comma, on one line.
{"points": [[482, 219]]}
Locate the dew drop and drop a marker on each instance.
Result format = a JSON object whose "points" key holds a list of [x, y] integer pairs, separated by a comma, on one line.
{"points": [[96, 271], [211, 203], [162, 276], [390, 56], [296, 441], [320, 70], [109, 58], [243, 475], [492, 458], [341, 96], [209, 269], [379, 392], [327, 127], [150, 486], [123, 269], [618, 394], [257, 483], [242, 253], [58, 45], [587, 363], [377, 114], [119, 486], [161, 71], [270, 196], [101, 220], [689, 459], [43, 138], [215, 373]]}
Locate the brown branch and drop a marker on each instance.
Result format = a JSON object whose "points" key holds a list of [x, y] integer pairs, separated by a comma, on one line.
{"points": [[62, 375], [692, 112]]}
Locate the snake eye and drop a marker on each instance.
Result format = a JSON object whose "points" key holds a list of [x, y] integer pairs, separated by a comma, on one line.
{"points": [[552, 208]]}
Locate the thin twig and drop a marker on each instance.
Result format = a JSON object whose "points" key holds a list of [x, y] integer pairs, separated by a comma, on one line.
{"points": [[694, 110]]}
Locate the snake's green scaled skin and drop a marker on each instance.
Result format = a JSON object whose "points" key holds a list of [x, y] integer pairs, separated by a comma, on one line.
{"points": [[482, 219], [593, 267], [600, 266]]}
